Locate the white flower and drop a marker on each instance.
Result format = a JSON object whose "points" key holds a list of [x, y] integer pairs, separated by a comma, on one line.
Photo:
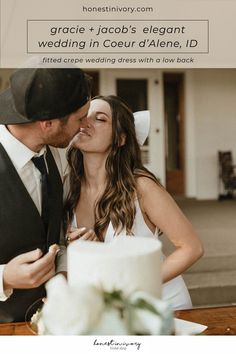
{"points": [[37, 324], [71, 311], [111, 323], [88, 310], [150, 315], [41, 327]]}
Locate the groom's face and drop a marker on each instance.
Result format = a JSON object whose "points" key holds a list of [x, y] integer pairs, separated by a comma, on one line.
{"points": [[63, 131]]}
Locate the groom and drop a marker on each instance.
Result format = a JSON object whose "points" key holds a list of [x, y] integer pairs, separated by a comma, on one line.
{"points": [[42, 107]]}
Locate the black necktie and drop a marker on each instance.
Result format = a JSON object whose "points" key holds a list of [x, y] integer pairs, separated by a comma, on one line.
{"points": [[39, 163]]}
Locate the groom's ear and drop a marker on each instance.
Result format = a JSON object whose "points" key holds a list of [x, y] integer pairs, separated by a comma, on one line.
{"points": [[122, 140], [45, 124]]}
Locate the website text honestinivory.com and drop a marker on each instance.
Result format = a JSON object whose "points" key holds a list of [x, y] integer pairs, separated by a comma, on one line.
{"points": [[123, 9]]}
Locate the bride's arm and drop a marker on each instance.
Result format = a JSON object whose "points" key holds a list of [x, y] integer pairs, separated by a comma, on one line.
{"points": [[164, 213]]}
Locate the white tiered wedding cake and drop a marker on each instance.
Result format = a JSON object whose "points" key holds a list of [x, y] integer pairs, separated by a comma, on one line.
{"points": [[128, 264]]}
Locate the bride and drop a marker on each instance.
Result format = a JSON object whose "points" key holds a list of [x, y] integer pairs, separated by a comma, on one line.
{"points": [[111, 194]]}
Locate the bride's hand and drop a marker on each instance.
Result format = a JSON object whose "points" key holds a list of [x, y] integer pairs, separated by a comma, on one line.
{"points": [[81, 233]]}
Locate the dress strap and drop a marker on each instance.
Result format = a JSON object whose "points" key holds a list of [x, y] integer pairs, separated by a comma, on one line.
{"points": [[74, 221]]}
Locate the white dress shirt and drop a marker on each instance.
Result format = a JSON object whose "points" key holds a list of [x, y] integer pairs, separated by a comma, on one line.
{"points": [[20, 155]]}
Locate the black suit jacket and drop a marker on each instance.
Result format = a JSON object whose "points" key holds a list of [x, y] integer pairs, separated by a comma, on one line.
{"points": [[21, 230]]}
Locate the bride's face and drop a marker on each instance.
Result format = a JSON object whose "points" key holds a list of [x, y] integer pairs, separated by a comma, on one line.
{"points": [[96, 130]]}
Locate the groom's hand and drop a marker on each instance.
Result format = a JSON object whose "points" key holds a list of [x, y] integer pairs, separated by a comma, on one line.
{"points": [[30, 270]]}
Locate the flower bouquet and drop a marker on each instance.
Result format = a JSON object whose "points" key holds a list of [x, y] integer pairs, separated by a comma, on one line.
{"points": [[89, 310]]}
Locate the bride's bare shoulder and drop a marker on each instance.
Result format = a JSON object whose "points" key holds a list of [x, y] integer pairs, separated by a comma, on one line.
{"points": [[146, 184]]}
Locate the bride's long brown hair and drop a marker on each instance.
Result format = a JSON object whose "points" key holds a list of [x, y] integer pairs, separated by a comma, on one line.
{"points": [[123, 166]]}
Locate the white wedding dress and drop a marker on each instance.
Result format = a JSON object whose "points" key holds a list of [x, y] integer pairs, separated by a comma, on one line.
{"points": [[175, 290]]}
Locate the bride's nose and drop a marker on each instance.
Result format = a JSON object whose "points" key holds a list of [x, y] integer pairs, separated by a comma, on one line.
{"points": [[86, 122]]}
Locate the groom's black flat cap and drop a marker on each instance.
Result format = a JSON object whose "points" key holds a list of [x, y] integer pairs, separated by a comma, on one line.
{"points": [[43, 94]]}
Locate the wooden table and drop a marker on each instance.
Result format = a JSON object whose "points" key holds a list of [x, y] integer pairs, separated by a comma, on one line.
{"points": [[12, 329], [220, 321]]}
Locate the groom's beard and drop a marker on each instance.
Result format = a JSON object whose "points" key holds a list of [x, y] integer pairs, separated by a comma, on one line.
{"points": [[61, 138]]}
